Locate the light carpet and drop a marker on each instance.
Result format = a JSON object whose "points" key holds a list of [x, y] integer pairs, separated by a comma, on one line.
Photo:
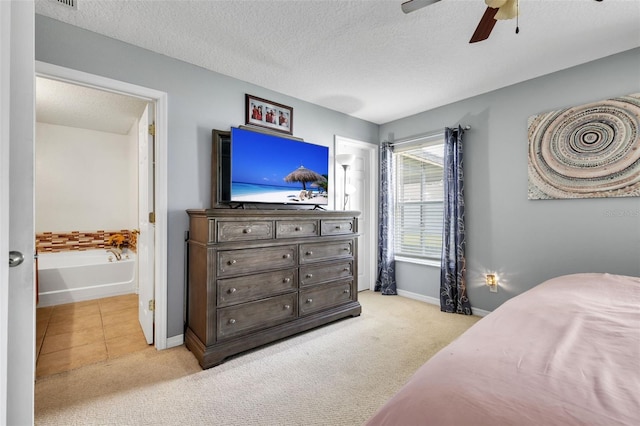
{"points": [[339, 374]]}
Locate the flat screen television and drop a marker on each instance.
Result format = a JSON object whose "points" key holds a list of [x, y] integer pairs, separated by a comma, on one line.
{"points": [[261, 167]]}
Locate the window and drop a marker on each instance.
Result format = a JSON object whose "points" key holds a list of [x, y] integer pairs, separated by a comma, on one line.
{"points": [[419, 200]]}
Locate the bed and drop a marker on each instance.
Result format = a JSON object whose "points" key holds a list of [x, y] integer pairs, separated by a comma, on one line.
{"points": [[566, 352]]}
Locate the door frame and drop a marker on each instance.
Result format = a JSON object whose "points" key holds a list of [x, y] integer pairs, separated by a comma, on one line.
{"points": [[160, 99], [340, 143]]}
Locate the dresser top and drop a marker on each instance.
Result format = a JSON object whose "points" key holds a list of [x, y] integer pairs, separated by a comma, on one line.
{"points": [[284, 213]]}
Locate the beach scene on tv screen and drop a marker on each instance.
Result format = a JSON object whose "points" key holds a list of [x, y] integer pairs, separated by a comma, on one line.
{"points": [[270, 169]]}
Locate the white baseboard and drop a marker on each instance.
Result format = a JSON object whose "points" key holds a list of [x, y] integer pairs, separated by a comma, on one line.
{"points": [[434, 301], [420, 297], [175, 341], [479, 312]]}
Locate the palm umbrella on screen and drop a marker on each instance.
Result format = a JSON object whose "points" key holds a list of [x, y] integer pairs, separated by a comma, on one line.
{"points": [[304, 175], [322, 184]]}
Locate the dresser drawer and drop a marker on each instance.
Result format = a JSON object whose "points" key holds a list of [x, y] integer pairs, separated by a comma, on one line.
{"points": [[337, 227], [324, 272], [316, 252], [246, 261], [322, 297], [241, 319], [297, 228], [244, 231], [232, 291]]}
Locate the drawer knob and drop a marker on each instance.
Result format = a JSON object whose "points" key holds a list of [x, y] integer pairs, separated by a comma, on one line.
{"points": [[246, 230], [231, 262], [309, 253], [346, 290], [286, 280], [287, 307], [286, 256], [297, 228], [309, 300], [309, 276], [346, 249], [232, 321], [338, 226], [231, 290]]}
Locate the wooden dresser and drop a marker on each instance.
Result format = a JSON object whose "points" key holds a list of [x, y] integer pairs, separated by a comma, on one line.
{"points": [[256, 276]]}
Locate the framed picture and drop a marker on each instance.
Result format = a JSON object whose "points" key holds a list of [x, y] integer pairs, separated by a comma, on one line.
{"points": [[267, 114]]}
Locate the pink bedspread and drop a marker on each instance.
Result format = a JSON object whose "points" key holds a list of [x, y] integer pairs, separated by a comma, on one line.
{"points": [[566, 352]]}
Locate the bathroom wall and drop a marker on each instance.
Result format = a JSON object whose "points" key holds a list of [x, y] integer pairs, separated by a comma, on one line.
{"points": [[85, 180]]}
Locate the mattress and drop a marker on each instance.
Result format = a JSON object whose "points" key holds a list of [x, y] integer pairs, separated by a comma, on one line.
{"points": [[566, 352]]}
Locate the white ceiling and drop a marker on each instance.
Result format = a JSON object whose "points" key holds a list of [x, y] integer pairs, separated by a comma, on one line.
{"points": [[365, 58], [70, 105]]}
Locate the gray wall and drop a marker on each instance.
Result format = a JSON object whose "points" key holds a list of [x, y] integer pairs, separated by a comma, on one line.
{"points": [[199, 100], [528, 241]]}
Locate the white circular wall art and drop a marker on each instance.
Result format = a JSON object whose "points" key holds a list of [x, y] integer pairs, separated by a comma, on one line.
{"points": [[586, 151]]}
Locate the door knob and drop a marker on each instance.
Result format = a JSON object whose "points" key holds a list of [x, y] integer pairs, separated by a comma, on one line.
{"points": [[15, 258]]}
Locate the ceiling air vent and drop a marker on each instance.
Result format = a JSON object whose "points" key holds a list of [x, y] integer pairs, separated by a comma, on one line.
{"points": [[72, 4]]}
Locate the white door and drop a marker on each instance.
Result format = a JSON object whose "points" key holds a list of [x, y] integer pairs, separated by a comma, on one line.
{"points": [[17, 318], [363, 175], [5, 117], [146, 264]]}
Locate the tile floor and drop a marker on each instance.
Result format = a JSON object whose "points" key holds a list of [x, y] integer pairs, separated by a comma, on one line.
{"points": [[77, 334]]}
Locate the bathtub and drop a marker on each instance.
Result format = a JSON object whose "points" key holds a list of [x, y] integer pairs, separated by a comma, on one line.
{"points": [[73, 276]]}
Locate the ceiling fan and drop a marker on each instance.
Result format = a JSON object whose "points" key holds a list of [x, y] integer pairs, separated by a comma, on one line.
{"points": [[413, 5], [496, 10]]}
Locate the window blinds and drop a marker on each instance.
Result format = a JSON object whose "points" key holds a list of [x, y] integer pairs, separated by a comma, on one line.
{"points": [[419, 200]]}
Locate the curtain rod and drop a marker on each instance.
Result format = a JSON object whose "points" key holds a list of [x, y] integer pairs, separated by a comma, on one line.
{"points": [[424, 136]]}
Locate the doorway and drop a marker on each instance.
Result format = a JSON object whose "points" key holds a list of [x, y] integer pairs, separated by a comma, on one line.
{"points": [[152, 248], [92, 180], [363, 176]]}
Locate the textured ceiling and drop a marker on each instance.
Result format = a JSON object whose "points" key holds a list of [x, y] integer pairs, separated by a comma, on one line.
{"points": [[365, 58], [70, 105]]}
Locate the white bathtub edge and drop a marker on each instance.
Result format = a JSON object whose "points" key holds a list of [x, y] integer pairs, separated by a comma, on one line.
{"points": [[84, 293]]}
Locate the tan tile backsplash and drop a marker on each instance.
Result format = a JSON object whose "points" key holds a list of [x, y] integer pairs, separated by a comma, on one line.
{"points": [[82, 240]]}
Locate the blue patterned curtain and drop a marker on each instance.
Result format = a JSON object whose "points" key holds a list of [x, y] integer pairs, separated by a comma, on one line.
{"points": [[453, 290], [386, 281]]}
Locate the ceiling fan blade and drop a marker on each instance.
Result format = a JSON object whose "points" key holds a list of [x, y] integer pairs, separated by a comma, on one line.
{"points": [[413, 5], [485, 26]]}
